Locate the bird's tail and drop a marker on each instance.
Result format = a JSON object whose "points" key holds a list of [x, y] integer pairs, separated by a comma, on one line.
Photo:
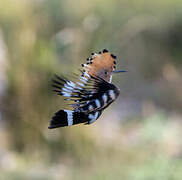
{"points": [[68, 118]]}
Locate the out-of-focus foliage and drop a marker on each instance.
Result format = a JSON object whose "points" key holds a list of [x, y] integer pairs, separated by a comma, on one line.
{"points": [[138, 137]]}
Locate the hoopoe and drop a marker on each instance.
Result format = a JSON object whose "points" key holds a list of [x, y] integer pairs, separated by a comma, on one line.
{"points": [[91, 94]]}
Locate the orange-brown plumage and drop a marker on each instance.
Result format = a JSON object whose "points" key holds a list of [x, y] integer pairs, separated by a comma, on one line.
{"points": [[101, 65]]}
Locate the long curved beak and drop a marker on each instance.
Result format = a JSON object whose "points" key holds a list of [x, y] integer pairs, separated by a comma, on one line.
{"points": [[118, 71]]}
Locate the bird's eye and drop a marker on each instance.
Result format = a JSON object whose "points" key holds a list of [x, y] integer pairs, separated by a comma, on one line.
{"points": [[105, 72]]}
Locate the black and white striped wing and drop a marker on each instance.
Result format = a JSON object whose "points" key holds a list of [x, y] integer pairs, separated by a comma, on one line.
{"points": [[93, 91], [72, 90]]}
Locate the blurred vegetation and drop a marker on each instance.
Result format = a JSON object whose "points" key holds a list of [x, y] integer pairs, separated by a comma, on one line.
{"points": [[138, 137]]}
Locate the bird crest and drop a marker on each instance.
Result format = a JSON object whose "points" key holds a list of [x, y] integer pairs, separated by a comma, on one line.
{"points": [[101, 65]]}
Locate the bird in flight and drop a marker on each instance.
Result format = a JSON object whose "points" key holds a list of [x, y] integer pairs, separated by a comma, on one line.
{"points": [[90, 95]]}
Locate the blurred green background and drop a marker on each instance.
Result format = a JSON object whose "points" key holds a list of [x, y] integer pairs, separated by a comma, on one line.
{"points": [[138, 137]]}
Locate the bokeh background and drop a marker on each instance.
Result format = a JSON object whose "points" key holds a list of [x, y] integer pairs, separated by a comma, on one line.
{"points": [[139, 137]]}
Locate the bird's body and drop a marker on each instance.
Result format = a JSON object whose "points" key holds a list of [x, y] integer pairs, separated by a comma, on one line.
{"points": [[90, 95]]}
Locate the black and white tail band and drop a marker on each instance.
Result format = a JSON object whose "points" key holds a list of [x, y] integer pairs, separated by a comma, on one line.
{"points": [[68, 118]]}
